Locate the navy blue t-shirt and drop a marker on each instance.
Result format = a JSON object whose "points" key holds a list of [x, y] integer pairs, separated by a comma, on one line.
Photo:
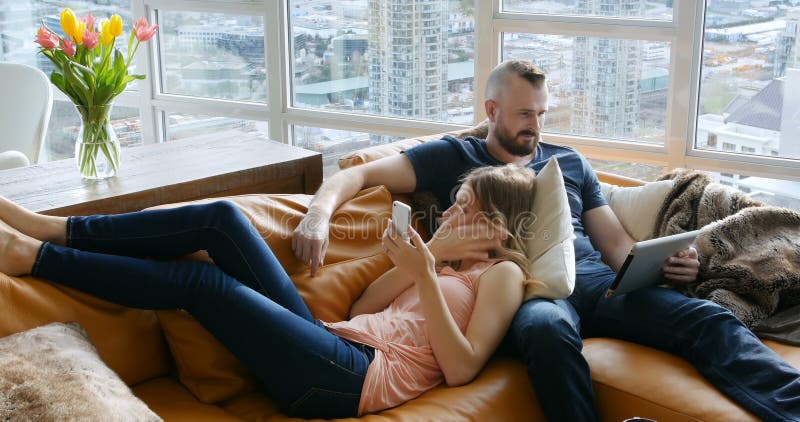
{"points": [[439, 165]]}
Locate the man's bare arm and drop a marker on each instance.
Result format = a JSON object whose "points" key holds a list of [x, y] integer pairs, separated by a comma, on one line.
{"points": [[310, 239], [607, 235], [614, 243]]}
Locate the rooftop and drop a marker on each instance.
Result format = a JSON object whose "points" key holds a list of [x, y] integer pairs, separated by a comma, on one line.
{"points": [[764, 110], [455, 71]]}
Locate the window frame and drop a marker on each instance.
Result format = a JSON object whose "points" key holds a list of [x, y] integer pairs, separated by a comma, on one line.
{"points": [[684, 33]]}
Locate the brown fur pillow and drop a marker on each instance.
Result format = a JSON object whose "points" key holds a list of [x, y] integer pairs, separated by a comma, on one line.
{"points": [[53, 373]]}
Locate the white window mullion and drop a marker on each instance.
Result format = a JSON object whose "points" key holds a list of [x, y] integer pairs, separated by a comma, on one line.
{"points": [[684, 73], [366, 123], [747, 165], [611, 153], [277, 65], [256, 7], [146, 60], [614, 144], [540, 18], [487, 52], [210, 106], [588, 27]]}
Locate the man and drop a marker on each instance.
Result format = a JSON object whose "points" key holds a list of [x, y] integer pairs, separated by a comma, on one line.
{"points": [[548, 334]]}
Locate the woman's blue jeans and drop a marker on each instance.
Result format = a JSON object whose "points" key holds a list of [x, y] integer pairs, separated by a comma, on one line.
{"points": [[548, 335], [246, 299]]}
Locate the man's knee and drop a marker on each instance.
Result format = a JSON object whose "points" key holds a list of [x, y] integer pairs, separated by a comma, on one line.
{"points": [[543, 326]]}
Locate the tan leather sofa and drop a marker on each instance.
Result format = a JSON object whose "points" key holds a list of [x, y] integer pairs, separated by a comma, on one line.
{"points": [[182, 373]]}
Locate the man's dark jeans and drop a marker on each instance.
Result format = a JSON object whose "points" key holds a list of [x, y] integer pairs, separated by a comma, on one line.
{"points": [[548, 335], [246, 300]]}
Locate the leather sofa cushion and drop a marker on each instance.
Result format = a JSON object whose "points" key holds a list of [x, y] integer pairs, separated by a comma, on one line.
{"points": [[501, 392], [634, 380], [170, 400], [354, 260], [354, 226], [205, 367], [128, 340]]}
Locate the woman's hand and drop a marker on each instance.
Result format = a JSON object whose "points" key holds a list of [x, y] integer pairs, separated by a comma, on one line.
{"points": [[310, 239], [683, 267], [415, 261], [453, 242]]}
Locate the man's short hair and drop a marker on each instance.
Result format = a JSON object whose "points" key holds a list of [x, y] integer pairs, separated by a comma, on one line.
{"points": [[498, 78]]}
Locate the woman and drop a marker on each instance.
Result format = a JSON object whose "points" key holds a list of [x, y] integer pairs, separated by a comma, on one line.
{"points": [[409, 330]]}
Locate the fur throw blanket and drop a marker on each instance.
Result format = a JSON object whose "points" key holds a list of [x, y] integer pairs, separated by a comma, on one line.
{"points": [[749, 253]]}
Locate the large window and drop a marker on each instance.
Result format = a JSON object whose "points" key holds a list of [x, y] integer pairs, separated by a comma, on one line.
{"points": [[402, 58], [750, 69], [213, 55], [600, 87], [334, 143], [636, 85]]}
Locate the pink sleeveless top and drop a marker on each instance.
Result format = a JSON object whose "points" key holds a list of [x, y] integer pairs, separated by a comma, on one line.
{"points": [[404, 366]]}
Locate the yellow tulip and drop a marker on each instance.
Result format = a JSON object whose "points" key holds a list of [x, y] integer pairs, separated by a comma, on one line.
{"points": [[78, 37], [105, 32], [69, 23], [116, 25]]}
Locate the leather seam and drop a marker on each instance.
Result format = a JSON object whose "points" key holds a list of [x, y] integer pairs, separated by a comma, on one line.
{"points": [[646, 400]]}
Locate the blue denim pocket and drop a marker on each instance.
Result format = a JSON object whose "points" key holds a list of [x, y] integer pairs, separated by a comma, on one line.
{"points": [[319, 402]]}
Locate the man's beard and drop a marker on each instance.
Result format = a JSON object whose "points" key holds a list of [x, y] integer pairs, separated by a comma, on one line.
{"points": [[513, 147]]}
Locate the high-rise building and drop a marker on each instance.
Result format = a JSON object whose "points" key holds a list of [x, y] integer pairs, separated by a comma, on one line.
{"points": [[348, 55], [786, 48], [408, 58], [606, 74]]}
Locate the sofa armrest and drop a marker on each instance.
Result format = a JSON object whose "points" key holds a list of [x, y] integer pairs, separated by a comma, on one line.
{"points": [[615, 179]]}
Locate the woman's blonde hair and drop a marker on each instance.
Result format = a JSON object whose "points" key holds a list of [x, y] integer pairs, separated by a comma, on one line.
{"points": [[504, 196]]}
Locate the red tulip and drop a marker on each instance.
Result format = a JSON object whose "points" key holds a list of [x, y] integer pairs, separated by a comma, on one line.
{"points": [[90, 39], [142, 31], [46, 38], [67, 47]]}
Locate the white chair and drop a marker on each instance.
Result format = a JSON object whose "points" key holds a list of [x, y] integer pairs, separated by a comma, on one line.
{"points": [[24, 114]]}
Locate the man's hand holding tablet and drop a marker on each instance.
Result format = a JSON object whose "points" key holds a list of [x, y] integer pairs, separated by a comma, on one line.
{"points": [[647, 260]]}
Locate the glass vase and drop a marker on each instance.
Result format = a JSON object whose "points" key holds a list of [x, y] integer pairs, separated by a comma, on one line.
{"points": [[97, 147]]}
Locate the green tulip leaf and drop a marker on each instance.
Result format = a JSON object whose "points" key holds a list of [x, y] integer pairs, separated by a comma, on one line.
{"points": [[104, 94]]}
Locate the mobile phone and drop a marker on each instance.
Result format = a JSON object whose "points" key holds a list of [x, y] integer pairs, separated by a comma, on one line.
{"points": [[401, 216]]}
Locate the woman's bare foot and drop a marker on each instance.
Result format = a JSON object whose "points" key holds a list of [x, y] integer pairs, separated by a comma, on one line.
{"points": [[17, 251], [42, 227]]}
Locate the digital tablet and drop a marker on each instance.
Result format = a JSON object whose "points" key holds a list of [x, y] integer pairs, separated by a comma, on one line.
{"points": [[642, 267]]}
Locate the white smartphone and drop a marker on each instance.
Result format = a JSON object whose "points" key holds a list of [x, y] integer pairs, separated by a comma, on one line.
{"points": [[401, 216]]}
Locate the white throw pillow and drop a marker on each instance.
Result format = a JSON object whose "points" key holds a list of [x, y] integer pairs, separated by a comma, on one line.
{"points": [[637, 207], [550, 249]]}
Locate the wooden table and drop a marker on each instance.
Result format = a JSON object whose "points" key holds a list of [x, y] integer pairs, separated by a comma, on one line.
{"points": [[228, 163]]}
